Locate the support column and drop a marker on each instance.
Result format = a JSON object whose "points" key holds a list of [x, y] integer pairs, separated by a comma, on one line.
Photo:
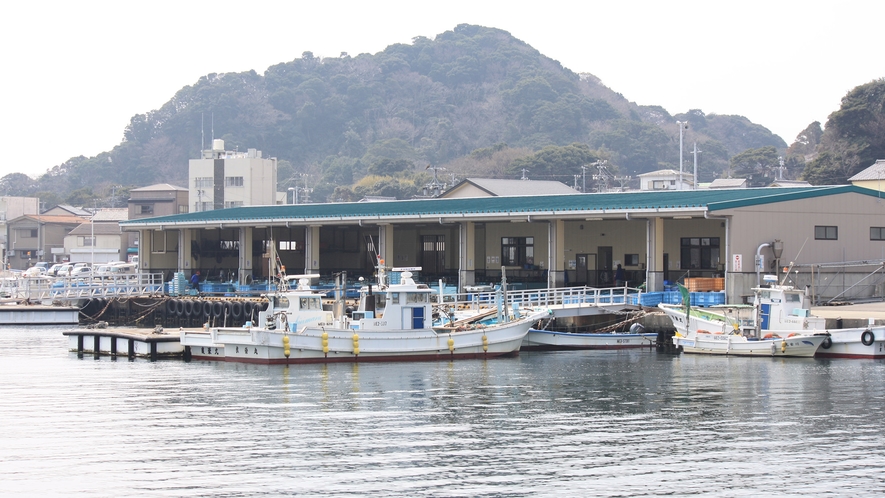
{"points": [[144, 250], [466, 254], [654, 265], [556, 253], [385, 244], [244, 258], [312, 249], [185, 256]]}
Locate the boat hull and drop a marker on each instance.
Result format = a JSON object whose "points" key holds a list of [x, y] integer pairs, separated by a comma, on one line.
{"points": [[253, 345], [540, 340], [703, 333], [850, 343], [804, 346]]}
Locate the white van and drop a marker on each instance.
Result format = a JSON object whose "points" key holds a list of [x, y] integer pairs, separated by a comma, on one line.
{"points": [[123, 269]]}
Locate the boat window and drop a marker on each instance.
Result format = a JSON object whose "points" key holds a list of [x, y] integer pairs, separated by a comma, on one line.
{"points": [[765, 294], [311, 303], [792, 298], [282, 302], [394, 297], [414, 297]]}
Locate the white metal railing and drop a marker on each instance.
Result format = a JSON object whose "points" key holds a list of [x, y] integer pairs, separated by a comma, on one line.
{"points": [[557, 296], [76, 288]]}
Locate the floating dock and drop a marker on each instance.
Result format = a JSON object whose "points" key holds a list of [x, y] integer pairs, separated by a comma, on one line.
{"points": [[153, 344], [38, 314]]}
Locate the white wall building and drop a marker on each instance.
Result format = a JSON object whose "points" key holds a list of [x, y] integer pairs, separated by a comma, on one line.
{"points": [[223, 179], [665, 179], [98, 240]]}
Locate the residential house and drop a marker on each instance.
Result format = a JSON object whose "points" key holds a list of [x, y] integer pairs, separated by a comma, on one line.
{"points": [[39, 237], [99, 239]]}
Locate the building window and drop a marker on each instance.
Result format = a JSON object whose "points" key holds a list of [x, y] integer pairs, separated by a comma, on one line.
{"points": [[233, 181], [233, 204], [631, 260], [229, 245], [699, 253], [158, 242], [202, 206], [877, 233], [826, 233], [27, 233], [146, 209], [203, 182], [86, 241], [288, 245], [517, 251]]}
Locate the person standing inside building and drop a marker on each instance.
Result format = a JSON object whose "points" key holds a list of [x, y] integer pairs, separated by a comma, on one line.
{"points": [[195, 280], [619, 276]]}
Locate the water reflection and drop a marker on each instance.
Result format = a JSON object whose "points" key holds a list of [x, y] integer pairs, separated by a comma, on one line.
{"points": [[571, 423]]}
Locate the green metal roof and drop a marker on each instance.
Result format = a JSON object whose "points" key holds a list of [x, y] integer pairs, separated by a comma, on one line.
{"points": [[637, 203]]}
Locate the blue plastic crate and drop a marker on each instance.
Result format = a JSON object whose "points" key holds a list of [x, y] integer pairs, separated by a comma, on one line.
{"points": [[651, 298]]}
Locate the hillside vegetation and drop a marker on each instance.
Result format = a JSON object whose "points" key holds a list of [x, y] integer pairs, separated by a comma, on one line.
{"points": [[472, 101]]}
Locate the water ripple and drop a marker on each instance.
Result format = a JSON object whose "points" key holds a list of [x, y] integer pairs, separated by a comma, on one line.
{"points": [[566, 424]]}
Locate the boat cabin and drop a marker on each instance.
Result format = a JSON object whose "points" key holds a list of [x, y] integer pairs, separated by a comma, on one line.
{"points": [[295, 309], [782, 307], [406, 305]]}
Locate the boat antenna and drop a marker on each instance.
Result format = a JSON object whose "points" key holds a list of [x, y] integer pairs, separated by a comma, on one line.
{"points": [[793, 263]]}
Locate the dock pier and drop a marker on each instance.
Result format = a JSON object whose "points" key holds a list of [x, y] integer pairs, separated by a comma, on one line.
{"points": [[153, 344]]}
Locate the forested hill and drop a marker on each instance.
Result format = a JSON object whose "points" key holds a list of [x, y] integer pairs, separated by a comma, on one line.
{"points": [[473, 100]]}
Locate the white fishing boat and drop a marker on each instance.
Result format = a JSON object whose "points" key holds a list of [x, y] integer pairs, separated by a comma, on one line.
{"points": [[554, 340], [777, 324], [605, 336], [392, 324]]}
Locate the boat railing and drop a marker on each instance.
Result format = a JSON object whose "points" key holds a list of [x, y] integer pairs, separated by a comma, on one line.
{"points": [[557, 296]]}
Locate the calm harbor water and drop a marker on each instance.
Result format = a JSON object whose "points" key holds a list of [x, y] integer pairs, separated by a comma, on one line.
{"points": [[629, 423]]}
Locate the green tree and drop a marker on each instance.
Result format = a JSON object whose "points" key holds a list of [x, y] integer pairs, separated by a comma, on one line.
{"points": [[756, 165], [555, 162], [390, 167]]}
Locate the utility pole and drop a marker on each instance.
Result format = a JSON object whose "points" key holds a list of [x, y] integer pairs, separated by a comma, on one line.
{"points": [[584, 178], [696, 152], [682, 127]]}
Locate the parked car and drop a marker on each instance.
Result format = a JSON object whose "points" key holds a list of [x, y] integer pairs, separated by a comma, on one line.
{"points": [[53, 270], [35, 271], [64, 270], [81, 272], [102, 270]]}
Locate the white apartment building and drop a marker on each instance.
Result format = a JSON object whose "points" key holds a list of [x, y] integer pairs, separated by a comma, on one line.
{"points": [[223, 179]]}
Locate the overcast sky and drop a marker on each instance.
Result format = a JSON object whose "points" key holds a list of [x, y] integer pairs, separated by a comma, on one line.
{"points": [[76, 72]]}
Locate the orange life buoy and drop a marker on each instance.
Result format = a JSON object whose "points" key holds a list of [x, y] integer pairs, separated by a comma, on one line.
{"points": [[771, 336]]}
